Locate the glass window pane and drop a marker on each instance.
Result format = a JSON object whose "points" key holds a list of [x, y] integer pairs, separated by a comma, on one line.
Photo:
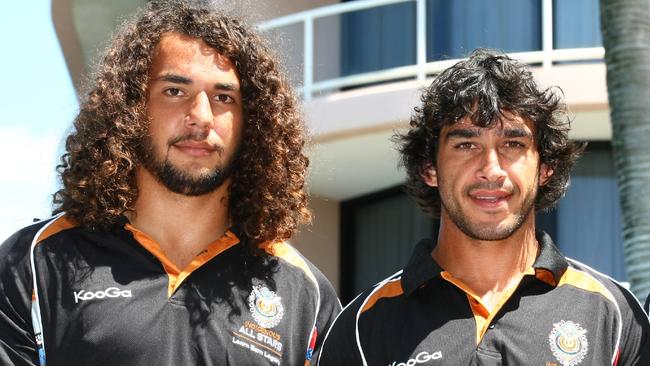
{"points": [[385, 232], [576, 23], [455, 28], [588, 229], [378, 38]]}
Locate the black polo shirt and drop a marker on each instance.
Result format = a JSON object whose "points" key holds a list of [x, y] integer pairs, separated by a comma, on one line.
{"points": [[561, 313], [78, 297]]}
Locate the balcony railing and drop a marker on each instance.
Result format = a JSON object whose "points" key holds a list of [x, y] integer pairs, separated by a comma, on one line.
{"points": [[547, 56]]}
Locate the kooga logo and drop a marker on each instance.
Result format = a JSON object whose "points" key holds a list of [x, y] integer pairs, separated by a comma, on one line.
{"points": [[421, 357], [110, 292]]}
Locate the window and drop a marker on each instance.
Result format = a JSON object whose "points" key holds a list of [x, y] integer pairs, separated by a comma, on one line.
{"points": [[378, 233], [378, 38], [587, 222], [455, 28], [576, 23], [384, 37]]}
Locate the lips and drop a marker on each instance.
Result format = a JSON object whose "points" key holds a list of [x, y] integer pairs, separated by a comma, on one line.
{"points": [[490, 199], [196, 148]]}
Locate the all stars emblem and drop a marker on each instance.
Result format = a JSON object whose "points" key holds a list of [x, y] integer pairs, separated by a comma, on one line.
{"points": [[568, 341], [265, 306]]}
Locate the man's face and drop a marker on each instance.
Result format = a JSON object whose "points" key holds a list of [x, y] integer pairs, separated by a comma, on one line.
{"points": [[194, 105], [487, 177]]}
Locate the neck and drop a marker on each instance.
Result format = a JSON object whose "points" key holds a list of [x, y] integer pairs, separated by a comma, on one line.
{"points": [[182, 225], [488, 268]]}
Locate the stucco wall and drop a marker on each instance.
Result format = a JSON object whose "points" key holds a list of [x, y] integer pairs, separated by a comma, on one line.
{"points": [[319, 242]]}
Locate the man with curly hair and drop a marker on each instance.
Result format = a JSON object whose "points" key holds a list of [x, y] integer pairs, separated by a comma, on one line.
{"points": [[485, 151], [182, 182]]}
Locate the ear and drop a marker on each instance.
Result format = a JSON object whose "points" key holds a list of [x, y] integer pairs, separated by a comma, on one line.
{"points": [[545, 173], [429, 175]]}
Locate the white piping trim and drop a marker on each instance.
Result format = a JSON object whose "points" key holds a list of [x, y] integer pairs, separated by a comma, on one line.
{"points": [[37, 322], [332, 326], [356, 327], [313, 279], [613, 280], [618, 309]]}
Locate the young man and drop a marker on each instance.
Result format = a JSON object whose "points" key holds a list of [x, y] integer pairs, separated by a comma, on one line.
{"points": [[486, 151], [182, 181]]}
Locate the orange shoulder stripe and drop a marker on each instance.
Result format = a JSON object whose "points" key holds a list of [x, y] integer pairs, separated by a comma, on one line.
{"points": [[584, 281], [285, 251], [60, 224], [389, 289]]}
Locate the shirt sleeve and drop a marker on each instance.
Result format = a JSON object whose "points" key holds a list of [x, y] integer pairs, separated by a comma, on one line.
{"points": [[340, 346], [634, 345], [17, 343], [329, 308]]}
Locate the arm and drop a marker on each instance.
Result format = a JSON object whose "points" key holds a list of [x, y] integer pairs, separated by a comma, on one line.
{"points": [[17, 344], [329, 309], [634, 346], [340, 345]]}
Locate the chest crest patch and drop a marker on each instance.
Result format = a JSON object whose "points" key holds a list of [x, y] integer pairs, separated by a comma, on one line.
{"points": [[265, 306], [568, 341]]}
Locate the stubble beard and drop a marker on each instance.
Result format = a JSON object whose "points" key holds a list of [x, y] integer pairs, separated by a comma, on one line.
{"points": [[488, 232], [178, 181]]}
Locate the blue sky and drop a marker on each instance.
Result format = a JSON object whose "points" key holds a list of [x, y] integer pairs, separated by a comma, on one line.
{"points": [[37, 105]]}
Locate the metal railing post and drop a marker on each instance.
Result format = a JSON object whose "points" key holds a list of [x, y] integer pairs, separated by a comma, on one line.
{"points": [[421, 38], [547, 32], [308, 50]]}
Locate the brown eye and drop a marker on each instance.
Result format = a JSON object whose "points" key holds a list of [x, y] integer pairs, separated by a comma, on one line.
{"points": [[515, 145], [464, 146], [173, 92], [224, 98]]}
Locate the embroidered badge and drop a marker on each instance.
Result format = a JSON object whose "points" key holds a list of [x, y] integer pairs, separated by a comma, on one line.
{"points": [[568, 341], [265, 306]]}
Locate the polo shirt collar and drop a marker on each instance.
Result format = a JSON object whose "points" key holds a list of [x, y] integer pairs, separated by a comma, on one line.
{"points": [[422, 267], [549, 257]]}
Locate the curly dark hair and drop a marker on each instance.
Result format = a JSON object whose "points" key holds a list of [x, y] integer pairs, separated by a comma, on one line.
{"points": [[483, 87], [266, 198]]}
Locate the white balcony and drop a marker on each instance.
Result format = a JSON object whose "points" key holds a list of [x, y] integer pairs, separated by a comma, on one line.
{"points": [[352, 117]]}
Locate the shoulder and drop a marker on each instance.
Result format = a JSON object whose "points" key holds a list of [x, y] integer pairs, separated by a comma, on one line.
{"points": [[342, 344], [588, 279], [632, 325], [16, 268], [16, 251], [36, 233], [17, 247], [290, 258]]}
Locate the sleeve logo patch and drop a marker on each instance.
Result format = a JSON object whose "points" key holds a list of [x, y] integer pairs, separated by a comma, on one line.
{"points": [[265, 306], [568, 341]]}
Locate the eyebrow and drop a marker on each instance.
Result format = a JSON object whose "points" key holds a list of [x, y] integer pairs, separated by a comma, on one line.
{"points": [[178, 79], [173, 78], [467, 133], [226, 86], [516, 132]]}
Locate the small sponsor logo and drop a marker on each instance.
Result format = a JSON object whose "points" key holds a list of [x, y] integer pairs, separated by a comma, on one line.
{"points": [[265, 306], [568, 341], [420, 358], [111, 292]]}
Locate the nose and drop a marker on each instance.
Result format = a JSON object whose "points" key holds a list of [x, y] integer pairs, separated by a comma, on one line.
{"points": [[199, 114], [491, 169]]}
